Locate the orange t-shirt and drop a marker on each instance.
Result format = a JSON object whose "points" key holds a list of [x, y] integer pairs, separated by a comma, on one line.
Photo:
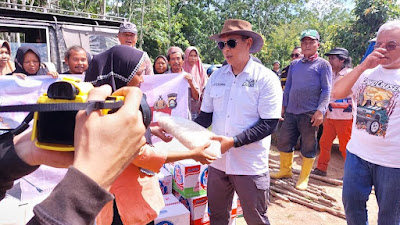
{"points": [[137, 195]]}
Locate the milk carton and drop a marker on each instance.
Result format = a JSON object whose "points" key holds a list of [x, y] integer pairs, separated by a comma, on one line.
{"points": [[234, 210], [239, 211], [190, 178], [174, 213], [169, 167], [232, 221], [165, 180], [198, 207]]}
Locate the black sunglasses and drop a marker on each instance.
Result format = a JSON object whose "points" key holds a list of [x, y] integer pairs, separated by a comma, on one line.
{"points": [[295, 55], [231, 43]]}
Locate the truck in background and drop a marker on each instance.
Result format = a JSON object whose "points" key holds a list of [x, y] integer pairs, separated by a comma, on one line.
{"points": [[53, 31]]}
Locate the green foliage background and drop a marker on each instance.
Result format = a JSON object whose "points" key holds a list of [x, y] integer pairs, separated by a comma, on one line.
{"points": [[345, 23]]}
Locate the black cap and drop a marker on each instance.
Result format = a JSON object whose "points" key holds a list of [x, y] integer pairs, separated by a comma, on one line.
{"points": [[342, 52]]}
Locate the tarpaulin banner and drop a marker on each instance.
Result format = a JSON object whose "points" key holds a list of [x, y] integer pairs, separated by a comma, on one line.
{"points": [[165, 93]]}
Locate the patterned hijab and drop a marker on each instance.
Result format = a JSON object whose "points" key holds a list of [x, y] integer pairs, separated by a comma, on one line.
{"points": [[197, 70], [115, 67]]}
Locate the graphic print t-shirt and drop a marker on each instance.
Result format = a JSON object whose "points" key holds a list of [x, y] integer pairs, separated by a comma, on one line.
{"points": [[376, 126]]}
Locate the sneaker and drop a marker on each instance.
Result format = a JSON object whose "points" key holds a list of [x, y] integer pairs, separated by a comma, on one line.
{"points": [[319, 172]]}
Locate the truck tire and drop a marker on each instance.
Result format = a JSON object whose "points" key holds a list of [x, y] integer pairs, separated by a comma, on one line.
{"points": [[373, 126]]}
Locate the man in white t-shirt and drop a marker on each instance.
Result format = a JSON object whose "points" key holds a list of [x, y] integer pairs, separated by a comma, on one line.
{"points": [[373, 156], [339, 118], [243, 102]]}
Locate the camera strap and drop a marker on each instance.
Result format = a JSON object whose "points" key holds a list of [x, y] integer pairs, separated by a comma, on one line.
{"points": [[54, 107], [89, 107]]}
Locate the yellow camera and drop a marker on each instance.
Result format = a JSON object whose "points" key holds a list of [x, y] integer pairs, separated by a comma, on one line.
{"points": [[54, 129]]}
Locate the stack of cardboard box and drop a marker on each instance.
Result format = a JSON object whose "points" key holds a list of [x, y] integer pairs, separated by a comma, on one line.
{"points": [[189, 185], [174, 213]]}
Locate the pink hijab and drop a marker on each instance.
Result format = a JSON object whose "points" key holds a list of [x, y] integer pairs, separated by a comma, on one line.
{"points": [[9, 67], [197, 70]]}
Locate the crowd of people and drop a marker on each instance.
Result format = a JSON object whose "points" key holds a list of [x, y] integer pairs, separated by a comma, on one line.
{"points": [[243, 102]]}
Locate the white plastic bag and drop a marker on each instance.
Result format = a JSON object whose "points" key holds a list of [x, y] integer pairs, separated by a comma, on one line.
{"points": [[189, 133]]}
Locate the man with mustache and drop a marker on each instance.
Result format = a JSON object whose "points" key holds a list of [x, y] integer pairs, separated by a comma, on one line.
{"points": [[175, 58], [77, 60], [127, 35], [373, 156], [305, 100], [242, 102], [296, 54]]}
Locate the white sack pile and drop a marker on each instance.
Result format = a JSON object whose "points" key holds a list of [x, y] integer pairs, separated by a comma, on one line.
{"points": [[189, 133]]}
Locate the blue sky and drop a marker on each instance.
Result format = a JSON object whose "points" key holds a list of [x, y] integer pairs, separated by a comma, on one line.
{"points": [[350, 4]]}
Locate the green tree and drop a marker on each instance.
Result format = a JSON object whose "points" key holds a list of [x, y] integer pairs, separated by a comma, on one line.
{"points": [[284, 34], [369, 16], [184, 23], [199, 22]]}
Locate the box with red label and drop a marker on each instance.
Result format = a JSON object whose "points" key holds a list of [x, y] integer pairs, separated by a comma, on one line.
{"points": [[198, 207], [232, 221], [190, 178], [165, 180], [174, 213]]}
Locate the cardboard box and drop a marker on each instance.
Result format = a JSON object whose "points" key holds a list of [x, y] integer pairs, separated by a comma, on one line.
{"points": [[174, 213], [239, 210], [198, 207], [190, 178], [165, 180], [169, 167]]}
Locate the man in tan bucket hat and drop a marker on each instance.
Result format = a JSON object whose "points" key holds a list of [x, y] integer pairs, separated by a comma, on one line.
{"points": [[242, 100]]}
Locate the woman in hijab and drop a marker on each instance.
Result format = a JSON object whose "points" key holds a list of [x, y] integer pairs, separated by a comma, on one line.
{"points": [[192, 65], [138, 198], [28, 63], [6, 65], [160, 65], [117, 67]]}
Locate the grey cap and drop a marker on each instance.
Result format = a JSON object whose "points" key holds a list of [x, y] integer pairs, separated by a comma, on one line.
{"points": [[127, 27], [342, 52], [276, 61]]}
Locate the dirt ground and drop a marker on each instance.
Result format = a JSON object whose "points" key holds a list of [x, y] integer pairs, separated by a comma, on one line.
{"points": [[289, 213]]}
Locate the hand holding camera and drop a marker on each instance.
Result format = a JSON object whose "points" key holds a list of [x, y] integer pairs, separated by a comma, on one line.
{"points": [[54, 119], [104, 143]]}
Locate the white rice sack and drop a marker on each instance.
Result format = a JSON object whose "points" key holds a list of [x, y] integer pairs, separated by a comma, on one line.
{"points": [[189, 133], [173, 145]]}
